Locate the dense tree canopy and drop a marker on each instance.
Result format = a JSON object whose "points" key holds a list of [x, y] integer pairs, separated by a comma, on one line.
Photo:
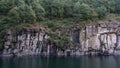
{"points": [[37, 10], [86, 13]]}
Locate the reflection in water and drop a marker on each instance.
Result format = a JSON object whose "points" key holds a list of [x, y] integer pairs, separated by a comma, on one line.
{"points": [[61, 62]]}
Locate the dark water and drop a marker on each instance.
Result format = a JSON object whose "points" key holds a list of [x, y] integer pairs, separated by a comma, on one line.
{"points": [[61, 62]]}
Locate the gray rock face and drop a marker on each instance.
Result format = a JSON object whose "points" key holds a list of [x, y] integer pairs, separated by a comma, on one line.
{"points": [[102, 38], [27, 42]]}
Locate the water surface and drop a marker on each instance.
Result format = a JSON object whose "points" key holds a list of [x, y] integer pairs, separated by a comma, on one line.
{"points": [[61, 62]]}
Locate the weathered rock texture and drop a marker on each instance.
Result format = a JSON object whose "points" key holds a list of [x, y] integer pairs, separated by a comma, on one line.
{"points": [[102, 38]]}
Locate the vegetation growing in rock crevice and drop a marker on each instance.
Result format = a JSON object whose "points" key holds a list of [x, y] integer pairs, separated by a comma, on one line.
{"points": [[54, 14]]}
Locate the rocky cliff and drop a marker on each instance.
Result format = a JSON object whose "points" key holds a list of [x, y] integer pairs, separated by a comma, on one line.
{"points": [[102, 38]]}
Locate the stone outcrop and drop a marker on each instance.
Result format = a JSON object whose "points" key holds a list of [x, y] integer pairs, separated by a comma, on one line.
{"points": [[27, 42], [102, 38]]}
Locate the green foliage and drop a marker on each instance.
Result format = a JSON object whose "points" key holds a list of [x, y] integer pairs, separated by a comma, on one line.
{"points": [[16, 12], [77, 8], [19, 2], [102, 11], [14, 15], [84, 11], [39, 11], [117, 6], [55, 9], [68, 10], [5, 7], [53, 25], [61, 40], [26, 14]]}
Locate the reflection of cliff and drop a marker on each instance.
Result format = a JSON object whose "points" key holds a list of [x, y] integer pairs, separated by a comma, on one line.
{"points": [[101, 38]]}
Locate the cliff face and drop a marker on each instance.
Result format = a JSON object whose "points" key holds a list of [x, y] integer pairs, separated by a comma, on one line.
{"points": [[101, 38], [27, 42]]}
